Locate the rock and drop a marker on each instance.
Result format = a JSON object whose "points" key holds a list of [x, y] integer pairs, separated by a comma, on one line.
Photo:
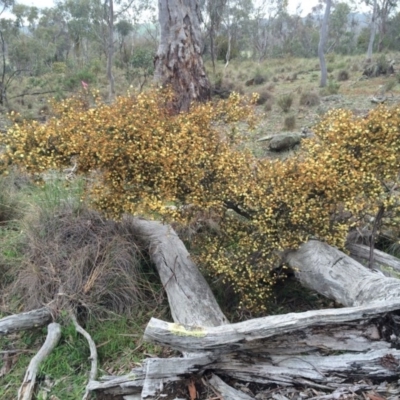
{"points": [[284, 141]]}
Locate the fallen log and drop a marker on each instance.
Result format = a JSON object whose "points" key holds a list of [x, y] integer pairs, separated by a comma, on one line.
{"points": [[24, 321], [291, 349], [382, 260], [335, 275], [190, 298]]}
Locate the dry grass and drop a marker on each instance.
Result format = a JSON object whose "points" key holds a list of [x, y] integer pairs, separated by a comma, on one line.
{"points": [[72, 257]]}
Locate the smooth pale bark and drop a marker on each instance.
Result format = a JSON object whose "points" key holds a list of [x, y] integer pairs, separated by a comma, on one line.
{"points": [[110, 47], [333, 274], [372, 32], [322, 41], [190, 298], [24, 321], [28, 385], [178, 62], [93, 353]]}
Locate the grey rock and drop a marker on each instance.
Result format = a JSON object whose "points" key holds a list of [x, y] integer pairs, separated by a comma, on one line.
{"points": [[284, 141]]}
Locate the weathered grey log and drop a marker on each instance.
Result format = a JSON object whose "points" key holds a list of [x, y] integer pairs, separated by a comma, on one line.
{"points": [[361, 252], [334, 274], [296, 348], [190, 298], [319, 371], [53, 336], [24, 321], [235, 337], [311, 358], [284, 141], [227, 392], [120, 385]]}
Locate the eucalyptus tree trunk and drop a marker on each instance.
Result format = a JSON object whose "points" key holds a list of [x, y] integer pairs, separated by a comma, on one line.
{"points": [[110, 52], [372, 33], [322, 41], [178, 62]]}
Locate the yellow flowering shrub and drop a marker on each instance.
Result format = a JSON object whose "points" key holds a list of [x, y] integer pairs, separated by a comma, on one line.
{"points": [[144, 159]]}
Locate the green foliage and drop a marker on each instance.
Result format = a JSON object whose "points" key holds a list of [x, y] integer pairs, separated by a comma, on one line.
{"points": [[243, 212], [74, 80], [143, 58], [285, 102], [331, 88]]}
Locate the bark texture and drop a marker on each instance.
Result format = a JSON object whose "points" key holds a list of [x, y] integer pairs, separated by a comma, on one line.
{"points": [[190, 298], [332, 273], [23, 321], [323, 349], [178, 62]]}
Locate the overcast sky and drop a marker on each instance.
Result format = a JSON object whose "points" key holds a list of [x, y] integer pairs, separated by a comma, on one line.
{"points": [[305, 6]]}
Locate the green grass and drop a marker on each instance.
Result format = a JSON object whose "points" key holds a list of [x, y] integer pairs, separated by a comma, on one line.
{"points": [[64, 373]]}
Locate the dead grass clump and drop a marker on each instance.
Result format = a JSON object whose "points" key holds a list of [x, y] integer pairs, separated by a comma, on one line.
{"points": [[343, 75], [80, 260], [289, 123], [264, 96], [224, 87], [10, 202], [309, 99]]}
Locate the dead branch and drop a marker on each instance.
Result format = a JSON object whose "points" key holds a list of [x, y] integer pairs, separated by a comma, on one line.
{"points": [[227, 392], [93, 352], [53, 336]]}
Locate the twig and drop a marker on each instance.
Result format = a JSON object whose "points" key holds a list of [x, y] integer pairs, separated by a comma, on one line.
{"points": [[93, 353], [25, 392], [377, 223]]}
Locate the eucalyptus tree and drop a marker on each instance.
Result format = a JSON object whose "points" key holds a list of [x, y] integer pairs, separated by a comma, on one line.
{"points": [[179, 62], [322, 42], [381, 11]]}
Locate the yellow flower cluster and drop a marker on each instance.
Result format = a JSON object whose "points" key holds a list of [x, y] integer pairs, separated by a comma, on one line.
{"points": [[144, 159]]}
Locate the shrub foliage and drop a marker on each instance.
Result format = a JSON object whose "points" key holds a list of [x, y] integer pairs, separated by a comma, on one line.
{"points": [[143, 159]]}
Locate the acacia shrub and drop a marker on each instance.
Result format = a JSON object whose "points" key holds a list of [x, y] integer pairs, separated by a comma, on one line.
{"points": [[146, 160]]}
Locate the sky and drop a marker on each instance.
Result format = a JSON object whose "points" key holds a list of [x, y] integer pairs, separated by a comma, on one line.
{"points": [[305, 5]]}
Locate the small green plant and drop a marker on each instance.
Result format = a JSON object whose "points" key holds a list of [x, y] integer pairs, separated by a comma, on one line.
{"points": [[74, 80], [285, 102], [59, 67], [390, 84], [331, 88]]}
